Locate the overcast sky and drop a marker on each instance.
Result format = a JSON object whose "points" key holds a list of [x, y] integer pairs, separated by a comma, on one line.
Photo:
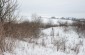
{"points": [[58, 8]]}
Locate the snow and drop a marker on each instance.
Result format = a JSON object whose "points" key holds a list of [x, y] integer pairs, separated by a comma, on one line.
{"points": [[53, 41]]}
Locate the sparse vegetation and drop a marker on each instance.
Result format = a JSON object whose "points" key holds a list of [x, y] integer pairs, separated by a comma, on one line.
{"points": [[10, 28]]}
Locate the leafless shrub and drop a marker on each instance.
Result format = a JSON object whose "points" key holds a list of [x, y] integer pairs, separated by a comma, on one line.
{"points": [[22, 30], [1, 37], [60, 44], [7, 10], [76, 48], [79, 27], [66, 29], [62, 23], [49, 24]]}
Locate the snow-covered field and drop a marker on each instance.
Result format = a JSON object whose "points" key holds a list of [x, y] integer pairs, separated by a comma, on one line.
{"points": [[52, 41]]}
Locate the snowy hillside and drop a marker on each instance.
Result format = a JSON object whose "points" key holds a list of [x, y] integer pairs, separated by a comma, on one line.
{"points": [[52, 41], [59, 29], [55, 21]]}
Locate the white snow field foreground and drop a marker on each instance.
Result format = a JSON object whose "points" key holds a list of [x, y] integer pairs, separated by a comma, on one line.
{"points": [[52, 41]]}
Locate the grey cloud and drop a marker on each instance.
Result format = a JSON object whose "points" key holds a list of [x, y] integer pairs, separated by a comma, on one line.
{"points": [[74, 8]]}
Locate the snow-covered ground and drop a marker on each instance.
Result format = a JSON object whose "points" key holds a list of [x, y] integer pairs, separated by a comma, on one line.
{"points": [[52, 41]]}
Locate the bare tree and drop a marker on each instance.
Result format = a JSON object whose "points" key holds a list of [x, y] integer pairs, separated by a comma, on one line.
{"points": [[7, 10], [7, 14]]}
